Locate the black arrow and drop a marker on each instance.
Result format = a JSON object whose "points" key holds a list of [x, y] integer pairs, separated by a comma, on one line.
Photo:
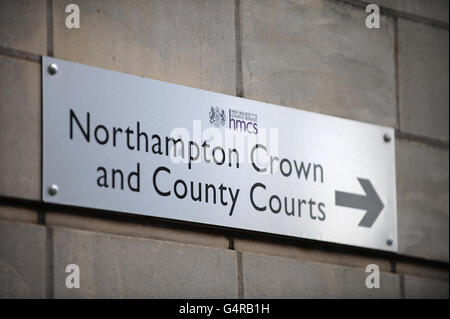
{"points": [[370, 202]]}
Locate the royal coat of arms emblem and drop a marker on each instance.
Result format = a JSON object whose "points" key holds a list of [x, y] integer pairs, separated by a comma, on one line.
{"points": [[217, 116]]}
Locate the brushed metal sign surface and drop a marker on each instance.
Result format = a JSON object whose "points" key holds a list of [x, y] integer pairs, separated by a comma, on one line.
{"points": [[118, 142]]}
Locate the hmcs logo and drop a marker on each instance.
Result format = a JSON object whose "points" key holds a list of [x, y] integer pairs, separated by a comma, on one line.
{"points": [[238, 120], [243, 121], [217, 116]]}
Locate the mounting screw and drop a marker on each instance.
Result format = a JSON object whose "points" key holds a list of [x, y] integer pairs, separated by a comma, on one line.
{"points": [[389, 242], [53, 189], [53, 68], [387, 137]]}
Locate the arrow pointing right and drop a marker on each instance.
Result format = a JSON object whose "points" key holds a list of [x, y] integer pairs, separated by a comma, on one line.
{"points": [[370, 202]]}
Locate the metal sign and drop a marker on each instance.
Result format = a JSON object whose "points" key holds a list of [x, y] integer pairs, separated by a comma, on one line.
{"points": [[119, 142]]}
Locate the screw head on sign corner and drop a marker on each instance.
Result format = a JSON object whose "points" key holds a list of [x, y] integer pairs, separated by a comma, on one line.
{"points": [[53, 68]]}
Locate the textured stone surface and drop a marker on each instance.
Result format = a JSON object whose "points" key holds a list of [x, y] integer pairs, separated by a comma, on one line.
{"points": [[184, 42], [23, 25], [311, 54], [22, 260], [135, 229], [304, 253], [406, 268], [431, 9], [422, 200], [276, 277], [20, 128], [423, 74], [20, 214], [319, 56], [123, 267], [425, 288]]}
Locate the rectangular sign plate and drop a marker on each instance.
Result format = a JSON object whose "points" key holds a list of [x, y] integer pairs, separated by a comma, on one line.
{"points": [[123, 143]]}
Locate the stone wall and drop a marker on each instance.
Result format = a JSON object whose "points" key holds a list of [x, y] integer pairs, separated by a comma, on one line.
{"points": [[314, 55]]}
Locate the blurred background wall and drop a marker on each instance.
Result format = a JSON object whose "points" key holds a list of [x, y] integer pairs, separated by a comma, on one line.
{"points": [[314, 55]]}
